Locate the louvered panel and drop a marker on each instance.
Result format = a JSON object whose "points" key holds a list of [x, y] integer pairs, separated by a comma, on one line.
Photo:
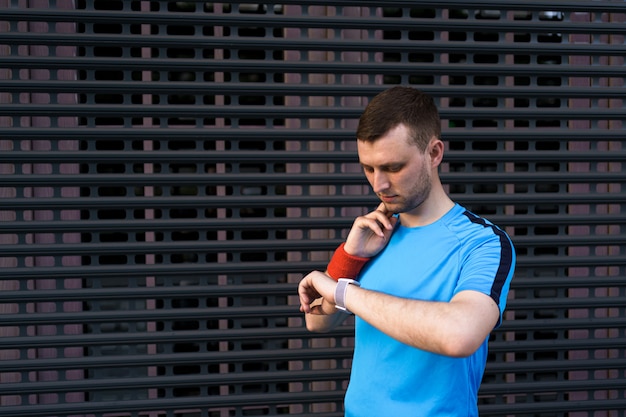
{"points": [[169, 170]]}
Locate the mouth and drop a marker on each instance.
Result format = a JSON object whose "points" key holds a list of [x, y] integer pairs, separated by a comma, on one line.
{"points": [[388, 198]]}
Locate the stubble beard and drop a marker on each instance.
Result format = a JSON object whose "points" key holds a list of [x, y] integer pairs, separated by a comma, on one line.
{"points": [[417, 195]]}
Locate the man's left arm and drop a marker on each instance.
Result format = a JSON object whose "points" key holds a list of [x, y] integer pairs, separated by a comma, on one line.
{"points": [[456, 328]]}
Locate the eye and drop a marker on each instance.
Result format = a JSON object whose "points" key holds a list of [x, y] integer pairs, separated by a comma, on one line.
{"points": [[394, 168]]}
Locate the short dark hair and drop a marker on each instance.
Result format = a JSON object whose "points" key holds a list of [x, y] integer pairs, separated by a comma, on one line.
{"points": [[401, 105]]}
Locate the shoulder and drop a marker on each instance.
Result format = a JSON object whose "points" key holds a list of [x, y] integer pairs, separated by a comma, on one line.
{"points": [[474, 231]]}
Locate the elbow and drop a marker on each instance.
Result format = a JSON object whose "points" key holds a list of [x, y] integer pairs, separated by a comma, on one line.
{"points": [[457, 350], [315, 329], [460, 345]]}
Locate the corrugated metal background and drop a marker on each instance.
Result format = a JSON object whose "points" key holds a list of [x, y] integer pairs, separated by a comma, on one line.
{"points": [[169, 170]]}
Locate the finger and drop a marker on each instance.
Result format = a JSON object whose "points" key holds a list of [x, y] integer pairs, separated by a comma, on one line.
{"points": [[305, 302], [316, 310], [370, 223], [305, 299], [323, 309], [382, 208], [383, 220]]}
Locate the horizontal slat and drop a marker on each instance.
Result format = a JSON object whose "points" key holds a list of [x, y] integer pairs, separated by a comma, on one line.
{"points": [[553, 407], [298, 355], [568, 241], [332, 67], [282, 355], [206, 224], [175, 247], [148, 338], [337, 22], [560, 282], [302, 267], [208, 380], [272, 179], [178, 403], [559, 365], [206, 202], [470, 135], [102, 272], [304, 44], [272, 202], [200, 180], [299, 90], [128, 110], [552, 387], [557, 220], [200, 158], [265, 289], [266, 400], [566, 304], [194, 157], [146, 315], [269, 334], [200, 245], [184, 269], [541, 5], [307, 44], [556, 345], [202, 314], [143, 293], [198, 381]]}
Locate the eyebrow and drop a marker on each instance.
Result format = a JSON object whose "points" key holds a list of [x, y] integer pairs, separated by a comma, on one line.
{"points": [[386, 166]]}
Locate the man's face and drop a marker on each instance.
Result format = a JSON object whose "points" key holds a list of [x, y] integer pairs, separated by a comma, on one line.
{"points": [[398, 172]]}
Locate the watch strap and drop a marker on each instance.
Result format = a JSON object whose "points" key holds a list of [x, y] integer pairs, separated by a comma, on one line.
{"points": [[340, 292]]}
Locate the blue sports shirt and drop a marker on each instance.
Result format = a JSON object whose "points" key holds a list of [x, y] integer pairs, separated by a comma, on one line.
{"points": [[458, 252]]}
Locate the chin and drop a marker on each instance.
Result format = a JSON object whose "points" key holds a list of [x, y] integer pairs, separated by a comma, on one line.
{"points": [[395, 208]]}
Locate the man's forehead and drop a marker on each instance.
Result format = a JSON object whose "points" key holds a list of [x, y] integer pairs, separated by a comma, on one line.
{"points": [[378, 154]]}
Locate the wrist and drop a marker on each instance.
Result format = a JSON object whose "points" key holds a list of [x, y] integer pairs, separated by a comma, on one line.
{"points": [[344, 265]]}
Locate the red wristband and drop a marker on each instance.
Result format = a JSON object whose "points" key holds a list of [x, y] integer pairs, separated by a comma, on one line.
{"points": [[344, 265]]}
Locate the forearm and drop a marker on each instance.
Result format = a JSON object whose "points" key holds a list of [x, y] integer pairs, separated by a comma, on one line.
{"points": [[455, 328]]}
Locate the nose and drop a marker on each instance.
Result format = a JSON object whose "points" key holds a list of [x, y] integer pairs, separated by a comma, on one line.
{"points": [[380, 181]]}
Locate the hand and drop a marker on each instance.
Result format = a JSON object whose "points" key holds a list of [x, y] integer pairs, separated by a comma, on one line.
{"points": [[370, 233], [314, 286]]}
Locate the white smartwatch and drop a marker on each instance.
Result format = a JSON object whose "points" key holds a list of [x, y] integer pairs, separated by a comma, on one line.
{"points": [[340, 293]]}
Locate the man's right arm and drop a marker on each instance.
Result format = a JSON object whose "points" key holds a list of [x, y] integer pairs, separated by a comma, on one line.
{"points": [[368, 235]]}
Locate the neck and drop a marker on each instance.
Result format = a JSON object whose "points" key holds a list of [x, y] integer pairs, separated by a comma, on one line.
{"points": [[432, 209]]}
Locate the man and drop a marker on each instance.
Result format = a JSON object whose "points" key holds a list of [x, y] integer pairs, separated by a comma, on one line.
{"points": [[434, 277]]}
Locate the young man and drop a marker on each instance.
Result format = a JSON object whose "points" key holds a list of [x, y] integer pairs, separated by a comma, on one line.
{"points": [[434, 277]]}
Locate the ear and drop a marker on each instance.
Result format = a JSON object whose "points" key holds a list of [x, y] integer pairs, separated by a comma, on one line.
{"points": [[435, 149]]}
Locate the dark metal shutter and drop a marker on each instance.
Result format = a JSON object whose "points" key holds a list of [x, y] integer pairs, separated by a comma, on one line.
{"points": [[169, 170]]}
